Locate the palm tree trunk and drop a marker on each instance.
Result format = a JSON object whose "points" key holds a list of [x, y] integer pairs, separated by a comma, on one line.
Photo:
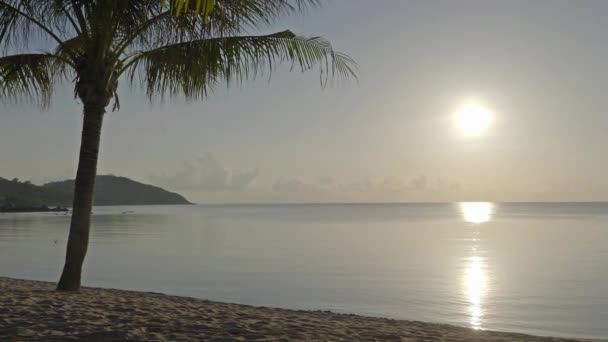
{"points": [[78, 239]]}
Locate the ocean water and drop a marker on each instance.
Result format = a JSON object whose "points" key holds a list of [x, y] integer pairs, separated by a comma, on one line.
{"points": [[531, 268]]}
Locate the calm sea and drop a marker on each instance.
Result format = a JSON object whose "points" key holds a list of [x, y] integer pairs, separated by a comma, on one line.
{"points": [[532, 268]]}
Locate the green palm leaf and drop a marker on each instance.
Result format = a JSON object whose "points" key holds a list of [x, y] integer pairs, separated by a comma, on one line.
{"points": [[28, 76], [193, 68], [205, 7]]}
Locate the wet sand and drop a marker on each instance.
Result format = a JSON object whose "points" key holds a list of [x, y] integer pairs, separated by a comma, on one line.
{"points": [[33, 311]]}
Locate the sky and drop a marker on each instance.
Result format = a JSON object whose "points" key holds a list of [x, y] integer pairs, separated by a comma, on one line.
{"points": [[539, 67]]}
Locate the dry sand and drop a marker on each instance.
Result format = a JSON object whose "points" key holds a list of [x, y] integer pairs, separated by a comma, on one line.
{"points": [[33, 311]]}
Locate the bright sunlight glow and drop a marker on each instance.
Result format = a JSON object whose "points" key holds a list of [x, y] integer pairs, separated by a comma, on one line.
{"points": [[472, 119], [475, 277], [476, 212], [476, 287]]}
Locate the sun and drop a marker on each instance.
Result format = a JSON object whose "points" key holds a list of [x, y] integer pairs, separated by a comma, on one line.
{"points": [[472, 118]]}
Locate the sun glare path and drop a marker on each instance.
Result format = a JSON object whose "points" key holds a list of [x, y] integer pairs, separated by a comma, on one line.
{"points": [[475, 283], [476, 212]]}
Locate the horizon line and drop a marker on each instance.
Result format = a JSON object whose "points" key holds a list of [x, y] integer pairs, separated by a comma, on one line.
{"points": [[400, 203]]}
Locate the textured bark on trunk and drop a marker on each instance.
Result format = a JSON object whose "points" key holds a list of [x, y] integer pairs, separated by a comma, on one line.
{"points": [[78, 239]]}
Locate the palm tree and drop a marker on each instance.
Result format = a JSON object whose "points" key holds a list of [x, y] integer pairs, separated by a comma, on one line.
{"points": [[204, 7], [97, 43]]}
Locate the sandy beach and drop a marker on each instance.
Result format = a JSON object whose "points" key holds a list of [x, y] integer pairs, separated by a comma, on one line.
{"points": [[33, 311]]}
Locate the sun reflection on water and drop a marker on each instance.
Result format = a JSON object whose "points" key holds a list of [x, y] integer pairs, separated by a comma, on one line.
{"points": [[476, 287], [477, 212], [475, 274]]}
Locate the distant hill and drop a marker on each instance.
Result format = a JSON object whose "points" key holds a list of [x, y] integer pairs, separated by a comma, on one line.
{"points": [[110, 190], [18, 194]]}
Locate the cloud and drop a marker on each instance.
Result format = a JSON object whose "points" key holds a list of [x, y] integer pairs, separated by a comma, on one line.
{"points": [[214, 181], [363, 185], [366, 185], [293, 185], [242, 180], [418, 184], [326, 181], [206, 174]]}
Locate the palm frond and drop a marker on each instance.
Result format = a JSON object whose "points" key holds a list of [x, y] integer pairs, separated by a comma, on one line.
{"points": [[45, 19], [71, 47], [219, 18], [190, 53], [28, 76], [193, 68], [205, 7]]}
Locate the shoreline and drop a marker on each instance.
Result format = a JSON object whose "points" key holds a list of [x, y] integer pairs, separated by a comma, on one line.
{"points": [[33, 311], [39, 209]]}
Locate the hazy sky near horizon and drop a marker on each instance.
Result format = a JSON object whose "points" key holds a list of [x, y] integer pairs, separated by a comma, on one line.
{"points": [[539, 67]]}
